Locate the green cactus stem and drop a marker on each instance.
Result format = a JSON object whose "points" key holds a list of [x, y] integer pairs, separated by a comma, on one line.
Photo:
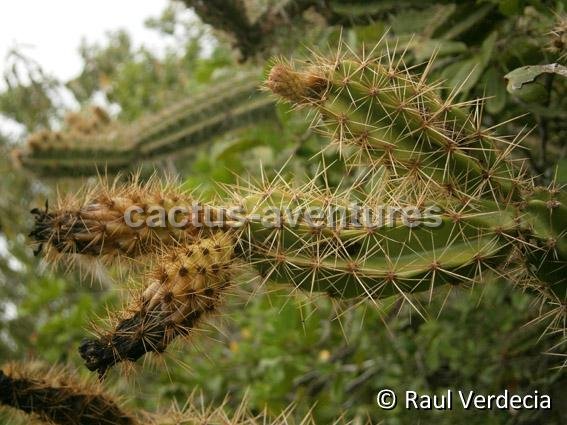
{"points": [[88, 147], [384, 115]]}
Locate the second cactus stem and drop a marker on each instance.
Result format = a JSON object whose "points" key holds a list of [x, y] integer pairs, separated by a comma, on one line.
{"points": [[91, 143]]}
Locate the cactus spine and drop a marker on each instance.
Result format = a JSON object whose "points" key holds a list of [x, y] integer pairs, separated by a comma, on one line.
{"points": [[98, 227], [384, 116], [391, 118]]}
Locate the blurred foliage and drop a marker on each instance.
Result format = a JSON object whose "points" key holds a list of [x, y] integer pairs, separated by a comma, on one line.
{"points": [[30, 96], [282, 349]]}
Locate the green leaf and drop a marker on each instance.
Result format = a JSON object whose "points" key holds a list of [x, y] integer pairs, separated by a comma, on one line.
{"points": [[222, 150], [424, 49], [411, 21], [527, 83], [561, 172], [487, 48], [470, 20], [528, 74], [463, 75]]}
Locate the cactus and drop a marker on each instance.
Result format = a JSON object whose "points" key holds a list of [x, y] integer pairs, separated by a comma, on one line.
{"points": [[187, 284], [56, 395], [483, 215], [90, 139], [92, 143], [545, 214], [397, 121], [388, 117], [97, 228], [254, 35]]}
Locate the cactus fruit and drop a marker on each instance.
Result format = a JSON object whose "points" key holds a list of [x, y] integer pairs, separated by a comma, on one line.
{"points": [[92, 143], [482, 214]]}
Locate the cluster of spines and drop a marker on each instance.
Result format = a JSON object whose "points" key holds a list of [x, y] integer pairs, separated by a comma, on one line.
{"points": [[471, 238], [346, 261], [186, 285], [383, 116], [92, 143]]}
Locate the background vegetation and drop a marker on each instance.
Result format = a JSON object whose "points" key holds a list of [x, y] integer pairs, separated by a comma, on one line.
{"points": [[277, 349]]}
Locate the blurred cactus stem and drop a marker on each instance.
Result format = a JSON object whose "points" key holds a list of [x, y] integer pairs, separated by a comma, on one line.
{"points": [[91, 143]]}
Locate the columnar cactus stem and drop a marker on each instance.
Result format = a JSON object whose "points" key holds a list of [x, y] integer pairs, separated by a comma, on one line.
{"points": [[90, 145], [457, 244], [545, 218], [370, 259], [187, 285], [57, 398], [396, 120], [99, 228]]}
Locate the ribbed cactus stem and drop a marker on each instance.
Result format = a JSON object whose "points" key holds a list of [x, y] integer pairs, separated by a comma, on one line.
{"points": [[394, 119], [57, 398], [87, 147], [455, 243], [203, 128], [97, 225], [99, 230], [375, 260], [186, 286], [372, 260], [478, 213], [545, 220]]}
